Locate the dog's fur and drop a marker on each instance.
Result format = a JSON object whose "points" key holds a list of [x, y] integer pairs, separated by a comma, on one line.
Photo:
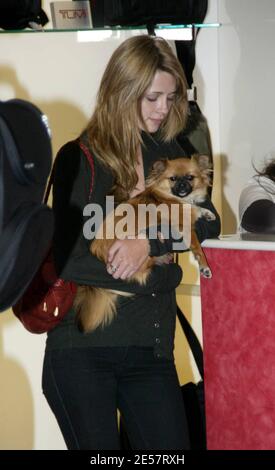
{"points": [[178, 181]]}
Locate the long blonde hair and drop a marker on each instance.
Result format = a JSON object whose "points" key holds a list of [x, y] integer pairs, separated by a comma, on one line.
{"points": [[113, 130]]}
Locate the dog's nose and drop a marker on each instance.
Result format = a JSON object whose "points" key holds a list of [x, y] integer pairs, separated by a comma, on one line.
{"points": [[184, 185], [182, 188]]}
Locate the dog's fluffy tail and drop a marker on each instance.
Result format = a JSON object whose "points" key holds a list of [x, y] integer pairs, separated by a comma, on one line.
{"points": [[95, 307]]}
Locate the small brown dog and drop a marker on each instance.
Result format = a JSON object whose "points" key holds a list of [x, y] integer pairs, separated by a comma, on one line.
{"points": [[171, 183]]}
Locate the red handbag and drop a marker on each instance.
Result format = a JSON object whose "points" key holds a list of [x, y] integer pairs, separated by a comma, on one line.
{"points": [[48, 298]]}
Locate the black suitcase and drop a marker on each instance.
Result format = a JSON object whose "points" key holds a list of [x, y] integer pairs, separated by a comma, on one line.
{"points": [[26, 224], [20, 14]]}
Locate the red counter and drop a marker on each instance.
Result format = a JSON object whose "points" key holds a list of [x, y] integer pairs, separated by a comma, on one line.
{"points": [[238, 319]]}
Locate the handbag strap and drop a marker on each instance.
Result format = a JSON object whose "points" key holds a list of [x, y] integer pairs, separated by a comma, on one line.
{"points": [[90, 159], [192, 339]]}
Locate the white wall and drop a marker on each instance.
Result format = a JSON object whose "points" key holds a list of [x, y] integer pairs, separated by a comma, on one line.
{"points": [[246, 94], [234, 74]]}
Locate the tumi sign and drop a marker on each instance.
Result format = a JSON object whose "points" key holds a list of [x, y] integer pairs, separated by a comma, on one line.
{"points": [[71, 15]]}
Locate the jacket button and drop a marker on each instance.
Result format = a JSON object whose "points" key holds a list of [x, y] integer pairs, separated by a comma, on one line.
{"points": [[156, 325], [157, 340], [154, 295]]}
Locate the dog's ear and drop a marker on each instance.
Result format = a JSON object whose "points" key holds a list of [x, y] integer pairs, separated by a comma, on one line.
{"points": [[160, 166], [203, 161], [156, 171]]}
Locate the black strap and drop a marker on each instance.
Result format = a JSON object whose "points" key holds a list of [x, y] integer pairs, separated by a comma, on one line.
{"points": [[193, 341], [49, 185]]}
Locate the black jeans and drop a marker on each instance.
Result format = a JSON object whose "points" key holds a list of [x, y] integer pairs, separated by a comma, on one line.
{"points": [[85, 387]]}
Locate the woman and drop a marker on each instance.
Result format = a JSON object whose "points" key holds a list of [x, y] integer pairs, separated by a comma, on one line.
{"points": [[128, 365], [257, 202]]}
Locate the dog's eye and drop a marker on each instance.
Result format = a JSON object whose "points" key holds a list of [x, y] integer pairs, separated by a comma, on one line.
{"points": [[173, 178], [189, 177]]}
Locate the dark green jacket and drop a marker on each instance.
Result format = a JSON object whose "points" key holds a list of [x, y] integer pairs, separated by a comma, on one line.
{"points": [[146, 319]]}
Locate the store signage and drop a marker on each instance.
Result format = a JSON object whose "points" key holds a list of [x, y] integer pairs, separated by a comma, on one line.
{"points": [[71, 15]]}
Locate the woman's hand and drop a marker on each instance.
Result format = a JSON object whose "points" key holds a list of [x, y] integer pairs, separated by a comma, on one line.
{"points": [[126, 256]]}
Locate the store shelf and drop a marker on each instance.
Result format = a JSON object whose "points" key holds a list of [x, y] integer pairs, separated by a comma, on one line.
{"points": [[168, 31], [116, 28]]}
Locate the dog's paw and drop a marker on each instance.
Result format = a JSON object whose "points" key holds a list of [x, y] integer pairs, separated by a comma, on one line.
{"points": [[168, 258], [207, 214], [206, 272]]}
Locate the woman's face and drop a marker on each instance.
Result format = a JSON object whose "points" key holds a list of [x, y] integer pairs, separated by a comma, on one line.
{"points": [[157, 100]]}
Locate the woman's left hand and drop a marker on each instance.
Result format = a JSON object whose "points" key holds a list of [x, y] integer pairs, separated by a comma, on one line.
{"points": [[126, 256]]}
